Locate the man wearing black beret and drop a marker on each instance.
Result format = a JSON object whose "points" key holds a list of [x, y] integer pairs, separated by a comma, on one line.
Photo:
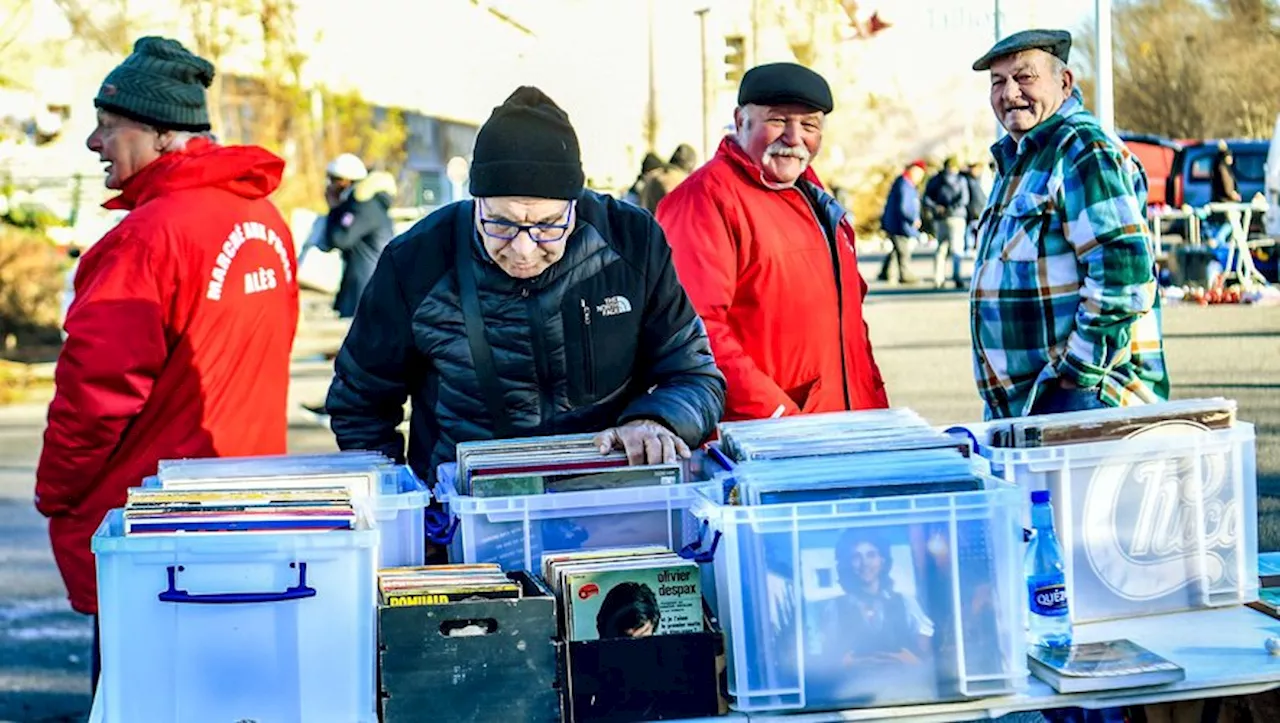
{"points": [[537, 308], [1064, 289], [767, 255]]}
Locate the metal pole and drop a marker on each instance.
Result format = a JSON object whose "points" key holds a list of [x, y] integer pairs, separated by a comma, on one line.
{"points": [[1104, 100], [995, 17], [755, 34], [651, 129], [706, 96]]}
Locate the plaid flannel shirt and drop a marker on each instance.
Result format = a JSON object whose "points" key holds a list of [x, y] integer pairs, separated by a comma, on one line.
{"points": [[1064, 284]]}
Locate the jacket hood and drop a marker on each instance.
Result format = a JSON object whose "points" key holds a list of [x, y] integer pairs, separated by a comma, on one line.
{"points": [[730, 149], [246, 171]]}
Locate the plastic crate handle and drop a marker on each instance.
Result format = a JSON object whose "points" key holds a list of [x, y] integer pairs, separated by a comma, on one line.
{"points": [[693, 550], [964, 432], [720, 457], [297, 592], [439, 526]]}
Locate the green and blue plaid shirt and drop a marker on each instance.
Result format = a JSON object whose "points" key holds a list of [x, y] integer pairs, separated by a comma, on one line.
{"points": [[1064, 284]]}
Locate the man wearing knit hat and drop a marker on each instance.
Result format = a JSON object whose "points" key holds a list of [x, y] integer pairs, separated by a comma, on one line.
{"points": [[1063, 296], [537, 308], [179, 336], [767, 256]]}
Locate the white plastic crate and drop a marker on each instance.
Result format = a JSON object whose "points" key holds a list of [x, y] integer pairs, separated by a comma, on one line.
{"points": [[515, 531], [870, 602], [236, 626], [1163, 521]]}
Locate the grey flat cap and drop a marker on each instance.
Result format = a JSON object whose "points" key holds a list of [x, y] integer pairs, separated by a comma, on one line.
{"points": [[1054, 42]]}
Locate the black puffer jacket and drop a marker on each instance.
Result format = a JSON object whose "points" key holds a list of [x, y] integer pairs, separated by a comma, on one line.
{"points": [[604, 336]]}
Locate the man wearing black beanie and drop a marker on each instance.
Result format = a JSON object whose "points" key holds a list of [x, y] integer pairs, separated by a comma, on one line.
{"points": [[537, 308]]}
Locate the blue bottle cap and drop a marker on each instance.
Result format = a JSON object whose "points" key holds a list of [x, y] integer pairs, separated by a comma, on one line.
{"points": [[1039, 497]]}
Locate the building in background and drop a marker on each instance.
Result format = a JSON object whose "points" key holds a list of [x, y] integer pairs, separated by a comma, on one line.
{"points": [[634, 75]]}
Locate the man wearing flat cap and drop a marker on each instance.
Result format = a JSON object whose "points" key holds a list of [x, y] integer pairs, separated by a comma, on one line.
{"points": [[179, 336], [767, 255], [1063, 297], [538, 307]]}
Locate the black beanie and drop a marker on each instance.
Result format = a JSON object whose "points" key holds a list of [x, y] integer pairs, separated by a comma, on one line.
{"points": [[160, 83], [527, 148]]}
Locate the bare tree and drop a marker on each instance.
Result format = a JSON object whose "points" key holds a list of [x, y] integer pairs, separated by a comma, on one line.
{"points": [[105, 25], [216, 27], [1185, 69]]}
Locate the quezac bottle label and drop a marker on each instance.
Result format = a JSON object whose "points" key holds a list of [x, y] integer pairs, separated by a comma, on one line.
{"points": [[1049, 598]]}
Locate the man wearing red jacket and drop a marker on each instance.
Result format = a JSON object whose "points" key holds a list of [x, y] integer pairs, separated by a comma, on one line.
{"points": [[179, 336], [767, 256]]}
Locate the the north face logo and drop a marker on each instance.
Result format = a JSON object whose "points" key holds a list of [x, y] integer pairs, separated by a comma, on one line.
{"points": [[614, 305]]}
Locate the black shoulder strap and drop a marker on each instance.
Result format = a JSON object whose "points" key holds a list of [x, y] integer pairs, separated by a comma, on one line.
{"points": [[481, 352]]}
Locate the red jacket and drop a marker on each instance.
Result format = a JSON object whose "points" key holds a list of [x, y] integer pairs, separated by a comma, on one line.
{"points": [[785, 324], [178, 341]]}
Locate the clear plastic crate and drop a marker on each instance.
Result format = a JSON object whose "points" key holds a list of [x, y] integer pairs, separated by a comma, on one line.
{"points": [[515, 531], [870, 602], [236, 626], [1163, 521], [399, 509]]}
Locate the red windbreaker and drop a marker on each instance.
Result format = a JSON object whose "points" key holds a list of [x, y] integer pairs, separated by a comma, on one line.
{"points": [[178, 341], [785, 324]]}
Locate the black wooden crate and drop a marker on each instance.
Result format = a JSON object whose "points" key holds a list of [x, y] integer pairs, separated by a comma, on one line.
{"points": [[662, 677], [507, 674]]}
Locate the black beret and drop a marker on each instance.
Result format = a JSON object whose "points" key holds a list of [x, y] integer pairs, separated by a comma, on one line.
{"points": [[1054, 42], [785, 83]]}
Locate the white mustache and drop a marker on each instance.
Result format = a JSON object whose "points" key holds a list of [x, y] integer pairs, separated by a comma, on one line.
{"points": [[778, 148]]}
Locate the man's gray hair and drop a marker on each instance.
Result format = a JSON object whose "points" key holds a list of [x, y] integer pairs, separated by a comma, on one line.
{"points": [[1056, 65], [178, 140]]}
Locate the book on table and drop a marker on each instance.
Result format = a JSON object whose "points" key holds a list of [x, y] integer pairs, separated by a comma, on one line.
{"points": [[1106, 665]]}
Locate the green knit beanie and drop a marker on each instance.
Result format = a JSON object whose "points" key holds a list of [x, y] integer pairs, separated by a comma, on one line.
{"points": [[161, 83]]}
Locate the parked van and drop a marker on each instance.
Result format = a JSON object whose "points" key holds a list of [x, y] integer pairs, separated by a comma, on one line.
{"points": [[1189, 177], [1156, 153]]}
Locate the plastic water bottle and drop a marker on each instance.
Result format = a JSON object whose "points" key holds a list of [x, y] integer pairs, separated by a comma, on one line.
{"points": [[1046, 580]]}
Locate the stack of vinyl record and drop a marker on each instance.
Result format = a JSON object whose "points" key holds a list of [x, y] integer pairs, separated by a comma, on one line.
{"points": [[300, 493], [1100, 425], [150, 511], [843, 455], [624, 592], [443, 584], [361, 473], [538, 465]]}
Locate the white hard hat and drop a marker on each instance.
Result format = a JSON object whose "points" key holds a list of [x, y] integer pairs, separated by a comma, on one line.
{"points": [[347, 167]]}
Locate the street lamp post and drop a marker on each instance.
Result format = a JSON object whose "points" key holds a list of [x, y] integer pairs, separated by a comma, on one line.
{"points": [[706, 97], [1104, 100]]}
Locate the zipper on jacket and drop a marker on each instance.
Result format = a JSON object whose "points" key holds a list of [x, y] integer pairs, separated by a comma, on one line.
{"points": [[541, 371], [833, 243], [588, 351]]}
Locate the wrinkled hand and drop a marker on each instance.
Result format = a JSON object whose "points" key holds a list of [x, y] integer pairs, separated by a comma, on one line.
{"points": [[645, 441]]}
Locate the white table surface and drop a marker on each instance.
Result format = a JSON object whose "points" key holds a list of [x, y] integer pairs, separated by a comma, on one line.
{"points": [[1221, 650]]}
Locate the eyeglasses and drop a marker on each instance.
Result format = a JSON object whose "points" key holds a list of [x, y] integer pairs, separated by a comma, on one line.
{"points": [[538, 232]]}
